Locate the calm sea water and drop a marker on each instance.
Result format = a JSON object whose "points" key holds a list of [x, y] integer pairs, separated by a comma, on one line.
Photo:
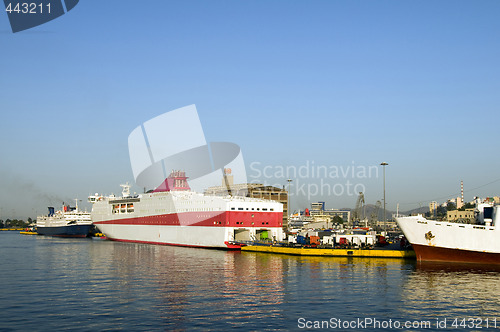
{"points": [[87, 285]]}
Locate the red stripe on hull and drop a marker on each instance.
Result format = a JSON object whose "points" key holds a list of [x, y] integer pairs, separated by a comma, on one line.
{"points": [[204, 218], [228, 245], [439, 254]]}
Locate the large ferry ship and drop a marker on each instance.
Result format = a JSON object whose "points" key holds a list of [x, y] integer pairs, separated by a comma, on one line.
{"points": [[460, 242], [172, 214], [68, 222]]}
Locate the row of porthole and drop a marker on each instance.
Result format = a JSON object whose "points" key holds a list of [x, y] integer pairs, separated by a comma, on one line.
{"points": [[241, 223], [253, 209]]}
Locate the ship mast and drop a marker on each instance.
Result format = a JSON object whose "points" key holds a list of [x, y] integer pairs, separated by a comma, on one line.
{"points": [[125, 190]]}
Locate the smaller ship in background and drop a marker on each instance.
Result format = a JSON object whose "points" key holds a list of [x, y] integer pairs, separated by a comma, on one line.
{"points": [[68, 222]]}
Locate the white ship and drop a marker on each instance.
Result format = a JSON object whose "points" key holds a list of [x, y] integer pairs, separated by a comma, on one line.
{"points": [[68, 222], [442, 241], [174, 215]]}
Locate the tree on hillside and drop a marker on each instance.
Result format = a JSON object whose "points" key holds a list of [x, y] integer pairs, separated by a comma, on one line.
{"points": [[441, 211], [467, 206]]}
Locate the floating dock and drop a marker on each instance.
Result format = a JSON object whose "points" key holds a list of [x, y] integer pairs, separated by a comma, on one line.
{"points": [[28, 233], [374, 253]]}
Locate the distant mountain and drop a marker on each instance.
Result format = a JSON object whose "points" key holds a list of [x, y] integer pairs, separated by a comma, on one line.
{"points": [[369, 209], [421, 210]]}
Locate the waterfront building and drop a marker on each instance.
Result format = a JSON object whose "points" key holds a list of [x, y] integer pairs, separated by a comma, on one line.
{"points": [[433, 208], [388, 225], [318, 209], [460, 216]]}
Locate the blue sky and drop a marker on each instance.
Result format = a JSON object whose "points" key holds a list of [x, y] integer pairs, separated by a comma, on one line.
{"points": [[337, 83]]}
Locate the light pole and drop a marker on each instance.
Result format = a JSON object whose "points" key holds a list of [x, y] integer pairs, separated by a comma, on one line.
{"points": [[385, 217], [288, 200]]}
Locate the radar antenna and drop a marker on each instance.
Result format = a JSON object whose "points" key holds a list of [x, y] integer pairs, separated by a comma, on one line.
{"points": [[125, 190]]}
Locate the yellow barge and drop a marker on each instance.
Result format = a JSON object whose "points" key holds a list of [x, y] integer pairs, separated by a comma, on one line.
{"points": [[375, 253]]}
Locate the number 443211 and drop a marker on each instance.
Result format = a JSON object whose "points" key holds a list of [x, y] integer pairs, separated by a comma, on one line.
{"points": [[28, 8]]}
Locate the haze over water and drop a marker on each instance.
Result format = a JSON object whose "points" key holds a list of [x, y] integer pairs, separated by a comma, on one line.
{"points": [[68, 284]]}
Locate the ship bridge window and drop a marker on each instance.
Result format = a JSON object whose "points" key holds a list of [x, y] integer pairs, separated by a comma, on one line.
{"points": [[123, 208]]}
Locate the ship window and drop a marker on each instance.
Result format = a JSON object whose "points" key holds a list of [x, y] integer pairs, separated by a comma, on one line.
{"points": [[264, 209], [271, 209], [240, 209]]}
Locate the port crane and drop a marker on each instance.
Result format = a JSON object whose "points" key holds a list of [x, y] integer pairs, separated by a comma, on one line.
{"points": [[359, 205], [374, 214]]}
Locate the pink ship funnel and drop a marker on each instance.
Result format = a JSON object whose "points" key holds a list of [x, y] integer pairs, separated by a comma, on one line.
{"points": [[177, 180]]}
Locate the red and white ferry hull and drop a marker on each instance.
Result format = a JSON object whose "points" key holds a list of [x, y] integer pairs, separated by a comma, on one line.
{"points": [[197, 220], [439, 254], [440, 241]]}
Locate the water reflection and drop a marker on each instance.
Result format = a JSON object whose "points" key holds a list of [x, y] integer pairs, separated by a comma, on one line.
{"points": [[197, 287], [100, 285], [452, 291]]}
